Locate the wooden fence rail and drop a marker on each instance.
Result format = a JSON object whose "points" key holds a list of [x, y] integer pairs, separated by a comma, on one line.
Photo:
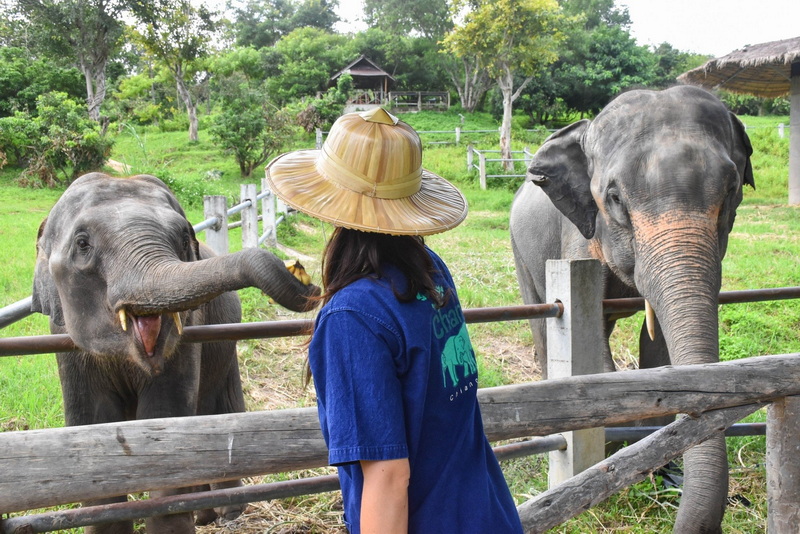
{"points": [[64, 465], [482, 160]]}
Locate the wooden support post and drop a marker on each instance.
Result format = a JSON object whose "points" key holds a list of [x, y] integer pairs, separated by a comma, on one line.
{"points": [[268, 215], [574, 347], [458, 134], [783, 466], [319, 139], [249, 217], [794, 136], [482, 168], [217, 236]]}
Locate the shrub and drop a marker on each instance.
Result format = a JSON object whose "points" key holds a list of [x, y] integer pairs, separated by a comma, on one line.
{"points": [[250, 127], [65, 143]]}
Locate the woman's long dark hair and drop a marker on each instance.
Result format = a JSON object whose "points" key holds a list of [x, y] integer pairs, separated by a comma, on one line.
{"points": [[352, 254]]}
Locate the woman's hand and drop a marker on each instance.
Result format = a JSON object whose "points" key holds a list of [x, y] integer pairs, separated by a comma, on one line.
{"points": [[384, 501]]}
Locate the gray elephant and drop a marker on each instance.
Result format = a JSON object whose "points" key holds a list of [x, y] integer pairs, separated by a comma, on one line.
{"points": [[120, 270], [650, 188]]}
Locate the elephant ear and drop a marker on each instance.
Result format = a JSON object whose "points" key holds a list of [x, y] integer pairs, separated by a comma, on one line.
{"points": [[561, 169], [45, 297], [746, 148]]}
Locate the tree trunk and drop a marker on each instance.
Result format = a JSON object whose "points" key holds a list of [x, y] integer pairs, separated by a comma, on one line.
{"points": [[471, 85], [191, 108], [505, 81]]}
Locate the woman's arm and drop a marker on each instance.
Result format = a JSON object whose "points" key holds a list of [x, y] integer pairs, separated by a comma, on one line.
{"points": [[384, 500]]}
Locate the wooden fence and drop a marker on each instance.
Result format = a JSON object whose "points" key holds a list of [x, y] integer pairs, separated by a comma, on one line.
{"points": [[44, 468], [482, 160]]}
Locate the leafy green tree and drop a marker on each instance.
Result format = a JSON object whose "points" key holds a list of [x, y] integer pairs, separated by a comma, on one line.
{"points": [[611, 63], [24, 77], [308, 57], [599, 59], [315, 14], [414, 62], [64, 142], [88, 32], [429, 18], [508, 37], [322, 112], [671, 63], [260, 24], [179, 36], [249, 126]]}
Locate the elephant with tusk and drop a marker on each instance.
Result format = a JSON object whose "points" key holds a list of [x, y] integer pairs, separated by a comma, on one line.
{"points": [[650, 188], [120, 270]]}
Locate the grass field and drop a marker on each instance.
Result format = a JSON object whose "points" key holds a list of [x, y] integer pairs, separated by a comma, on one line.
{"points": [[764, 251]]}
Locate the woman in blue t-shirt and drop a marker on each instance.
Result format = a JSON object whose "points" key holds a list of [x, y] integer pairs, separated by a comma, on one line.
{"points": [[393, 366]]}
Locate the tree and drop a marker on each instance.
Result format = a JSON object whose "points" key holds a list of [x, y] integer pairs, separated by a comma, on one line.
{"points": [[507, 37], [56, 145], [88, 31], [308, 59], [610, 63], [319, 14], [23, 78], [599, 59], [249, 126], [179, 35], [430, 18], [260, 24]]}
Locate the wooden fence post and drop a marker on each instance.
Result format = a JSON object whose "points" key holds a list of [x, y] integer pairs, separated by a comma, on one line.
{"points": [[268, 215], [469, 157], [458, 134], [319, 139], [482, 168], [215, 206], [249, 217], [574, 347], [783, 466]]}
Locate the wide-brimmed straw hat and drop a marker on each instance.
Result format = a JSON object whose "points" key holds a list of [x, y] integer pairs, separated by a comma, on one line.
{"points": [[368, 176]]}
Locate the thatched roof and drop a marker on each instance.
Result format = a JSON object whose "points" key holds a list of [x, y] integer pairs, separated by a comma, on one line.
{"points": [[363, 67], [762, 70]]}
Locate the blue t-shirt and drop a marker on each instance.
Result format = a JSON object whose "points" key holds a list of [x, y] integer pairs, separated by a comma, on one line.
{"points": [[399, 380]]}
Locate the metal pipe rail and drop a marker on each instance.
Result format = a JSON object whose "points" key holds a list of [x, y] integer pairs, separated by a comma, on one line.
{"points": [[16, 346]]}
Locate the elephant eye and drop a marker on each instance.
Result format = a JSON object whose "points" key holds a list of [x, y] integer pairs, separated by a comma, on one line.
{"points": [[613, 196], [82, 242]]}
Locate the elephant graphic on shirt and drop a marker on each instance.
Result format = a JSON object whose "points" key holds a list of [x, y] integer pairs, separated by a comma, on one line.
{"points": [[458, 352]]}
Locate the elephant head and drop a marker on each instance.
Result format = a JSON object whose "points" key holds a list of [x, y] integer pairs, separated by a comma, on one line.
{"points": [[119, 268], [652, 184]]}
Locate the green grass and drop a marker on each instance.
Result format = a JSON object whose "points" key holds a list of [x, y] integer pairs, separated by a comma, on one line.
{"points": [[764, 251]]}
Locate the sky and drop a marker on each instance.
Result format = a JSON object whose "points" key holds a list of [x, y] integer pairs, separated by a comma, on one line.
{"points": [[713, 27]]}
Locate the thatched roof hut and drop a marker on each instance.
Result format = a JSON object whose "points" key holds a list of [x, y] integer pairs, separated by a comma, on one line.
{"points": [[762, 70], [768, 70]]}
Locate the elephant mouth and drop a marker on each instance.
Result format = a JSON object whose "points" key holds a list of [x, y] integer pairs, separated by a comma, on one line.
{"points": [[147, 330]]}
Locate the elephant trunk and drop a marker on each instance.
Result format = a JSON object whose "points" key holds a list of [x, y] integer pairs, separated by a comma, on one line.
{"points": [[679, 273], [173, 285]]}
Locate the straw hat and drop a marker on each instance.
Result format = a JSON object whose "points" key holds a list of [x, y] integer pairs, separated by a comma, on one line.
{"points": [[368, 176]]}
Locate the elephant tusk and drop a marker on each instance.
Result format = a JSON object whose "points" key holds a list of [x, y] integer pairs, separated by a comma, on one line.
{"points": [[178, 325], [123, 320], [650, 319]]}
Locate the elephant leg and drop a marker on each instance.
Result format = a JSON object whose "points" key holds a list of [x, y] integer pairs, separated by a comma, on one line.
{"points": [[118, 527], [182, 523], [705, 488]]}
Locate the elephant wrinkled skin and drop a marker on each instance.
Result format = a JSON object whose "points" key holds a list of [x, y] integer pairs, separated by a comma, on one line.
{"points": [[650, 188], [120, 270]]}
